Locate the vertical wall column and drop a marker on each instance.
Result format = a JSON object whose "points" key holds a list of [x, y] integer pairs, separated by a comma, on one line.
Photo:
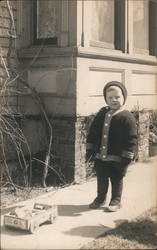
{"points": [[63, 37], [143, 133], [80, 150]]}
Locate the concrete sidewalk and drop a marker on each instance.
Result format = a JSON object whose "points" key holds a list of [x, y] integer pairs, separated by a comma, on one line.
{"points": [[76, 223]]}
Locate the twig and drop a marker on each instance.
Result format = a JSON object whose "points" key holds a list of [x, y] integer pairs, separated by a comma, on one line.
{"points": [[5, 163]]}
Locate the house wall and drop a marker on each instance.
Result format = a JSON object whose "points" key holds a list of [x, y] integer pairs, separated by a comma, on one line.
{"points": [[69, 79], [8, 88], [98, 63], [92, 75], [8, 54]]}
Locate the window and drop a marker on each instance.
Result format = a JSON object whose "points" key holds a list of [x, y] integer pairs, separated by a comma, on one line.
{"points": [[144, 27], [129, 26], [108, 28], [141, 26], [45, 21], [102, 28]]}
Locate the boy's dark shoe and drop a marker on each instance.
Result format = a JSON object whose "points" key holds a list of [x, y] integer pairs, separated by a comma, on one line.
{"points": [[114, 206], [95, 204]]}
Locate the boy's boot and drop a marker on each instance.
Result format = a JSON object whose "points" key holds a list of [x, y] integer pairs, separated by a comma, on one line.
{"points": [[114, 205], [117, 187], [102, 187], [96, 204]]}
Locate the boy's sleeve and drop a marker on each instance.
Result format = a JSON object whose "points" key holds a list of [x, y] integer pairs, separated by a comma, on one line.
{"points": [[130, 138], [92, 133], [93, 130], [90, 141]]}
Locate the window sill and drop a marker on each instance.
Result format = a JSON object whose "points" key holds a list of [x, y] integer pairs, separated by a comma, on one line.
{"points": [[87, 52], [116, 55], [46, 51]]}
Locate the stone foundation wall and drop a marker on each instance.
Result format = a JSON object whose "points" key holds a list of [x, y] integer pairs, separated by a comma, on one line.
{"points": [[83, 170], [143, 121], [80, 150], [69, 145], [63, 147]]}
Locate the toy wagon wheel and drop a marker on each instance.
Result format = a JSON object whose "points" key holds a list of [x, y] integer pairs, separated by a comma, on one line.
{"points": [[52, 219], [33, 228]]}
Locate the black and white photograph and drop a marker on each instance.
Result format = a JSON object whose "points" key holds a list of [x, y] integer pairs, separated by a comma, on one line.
{"points": [[78, 124]]}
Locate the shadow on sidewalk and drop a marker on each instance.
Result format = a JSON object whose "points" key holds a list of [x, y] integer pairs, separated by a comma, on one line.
{"points": [[72, 210], [13, 232], [87, 231], [140, 233], [143, 231]]}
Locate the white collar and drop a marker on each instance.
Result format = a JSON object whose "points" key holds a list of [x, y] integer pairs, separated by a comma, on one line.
{"points": [[117, 111]]}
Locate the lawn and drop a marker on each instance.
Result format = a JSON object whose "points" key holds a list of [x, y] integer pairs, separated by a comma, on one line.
{"points": [[140, 233]]}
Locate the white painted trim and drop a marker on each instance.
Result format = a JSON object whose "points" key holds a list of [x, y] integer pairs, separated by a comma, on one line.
{"points": [[144, 72], [126, 27], [116, 55], [100, 44], [130, 26], [101, 69], [141, 51], [127, 80]]}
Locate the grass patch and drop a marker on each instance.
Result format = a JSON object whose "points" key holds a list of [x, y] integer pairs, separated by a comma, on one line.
{"points": [[140, 233], [8, 197]]}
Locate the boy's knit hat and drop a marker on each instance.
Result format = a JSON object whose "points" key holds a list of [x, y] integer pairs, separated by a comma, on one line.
{"points": [[117, 84]]}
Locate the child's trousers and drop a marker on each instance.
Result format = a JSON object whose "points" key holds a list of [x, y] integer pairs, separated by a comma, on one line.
{"points": [[105, 171]]}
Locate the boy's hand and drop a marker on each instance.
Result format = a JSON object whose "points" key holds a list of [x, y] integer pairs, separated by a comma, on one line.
{"points": [[125, 162], [124, 165]]}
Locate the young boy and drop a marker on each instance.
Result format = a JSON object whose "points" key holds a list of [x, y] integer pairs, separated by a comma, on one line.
{"points": [[112, 141]]}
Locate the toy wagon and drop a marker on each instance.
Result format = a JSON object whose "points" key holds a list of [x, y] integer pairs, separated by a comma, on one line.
{"points": [[30, 219]]}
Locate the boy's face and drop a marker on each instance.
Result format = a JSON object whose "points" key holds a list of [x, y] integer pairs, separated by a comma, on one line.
{"points": [[114, 98]]}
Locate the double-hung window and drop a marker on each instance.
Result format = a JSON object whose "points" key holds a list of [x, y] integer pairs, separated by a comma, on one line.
{"points": [[129, 26]]}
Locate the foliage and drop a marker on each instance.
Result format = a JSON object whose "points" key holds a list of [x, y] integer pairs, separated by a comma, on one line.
{"points": [[152, 138], [10, 130], [137, 234], [153, 127]]}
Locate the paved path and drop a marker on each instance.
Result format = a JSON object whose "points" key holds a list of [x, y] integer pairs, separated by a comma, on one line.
{"points": [[76, 223]]}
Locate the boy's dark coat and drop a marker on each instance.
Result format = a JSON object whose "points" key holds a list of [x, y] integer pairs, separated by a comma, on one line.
{"points": [[122, 135]]}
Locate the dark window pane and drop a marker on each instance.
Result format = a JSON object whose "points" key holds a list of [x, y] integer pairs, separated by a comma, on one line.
{"points": [[102, 28], [46, 19]]}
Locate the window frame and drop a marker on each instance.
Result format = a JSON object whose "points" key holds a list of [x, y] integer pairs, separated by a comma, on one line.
{"points": [[153, 27], [120, 25]]}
